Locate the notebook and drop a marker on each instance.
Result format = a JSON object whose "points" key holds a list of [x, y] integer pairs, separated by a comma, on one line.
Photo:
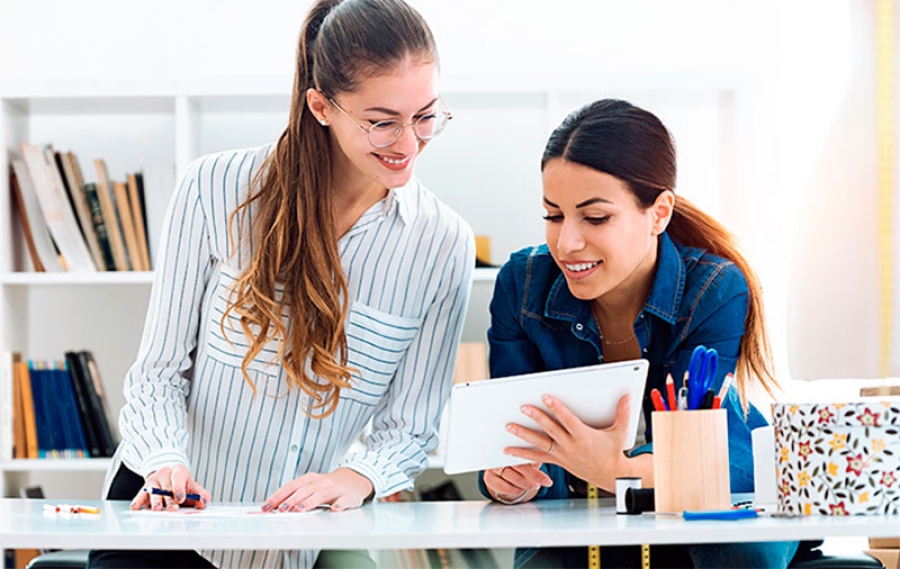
{"points": [[480, 410]]}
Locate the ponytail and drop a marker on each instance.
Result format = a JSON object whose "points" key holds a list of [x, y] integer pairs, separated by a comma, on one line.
{"points": [[691, 227]]}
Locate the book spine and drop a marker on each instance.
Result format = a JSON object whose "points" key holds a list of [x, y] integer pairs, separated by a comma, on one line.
{"points": [[98, 405], [33, 219], [110, 216], [91, 193], [80, 388], [31, 436], [7, 359]]}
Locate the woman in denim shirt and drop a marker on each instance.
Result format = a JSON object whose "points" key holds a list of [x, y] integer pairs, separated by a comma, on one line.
{"points": [[629, 271]]}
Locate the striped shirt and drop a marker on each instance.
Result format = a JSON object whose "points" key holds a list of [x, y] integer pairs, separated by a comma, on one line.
{"points": [[408, 261]]}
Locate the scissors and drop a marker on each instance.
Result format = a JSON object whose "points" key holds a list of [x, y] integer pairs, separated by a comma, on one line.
{"points": [[701, 374]]}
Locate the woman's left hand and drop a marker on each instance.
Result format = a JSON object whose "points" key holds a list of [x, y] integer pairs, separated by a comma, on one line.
{"points": [[594, 455], [342, 489]]}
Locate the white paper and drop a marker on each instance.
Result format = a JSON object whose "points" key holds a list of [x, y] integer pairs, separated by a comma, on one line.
{"points": [[237, 511]]}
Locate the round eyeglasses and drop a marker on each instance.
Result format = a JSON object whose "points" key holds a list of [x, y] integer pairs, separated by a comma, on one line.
{"points": [[387, 132]]}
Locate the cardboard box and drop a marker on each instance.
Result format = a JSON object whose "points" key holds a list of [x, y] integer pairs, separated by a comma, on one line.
{"points": [[838, 458], [890, 558]]}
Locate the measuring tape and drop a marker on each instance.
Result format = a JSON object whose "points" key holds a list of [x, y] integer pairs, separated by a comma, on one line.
{"points": [[593, 497]]}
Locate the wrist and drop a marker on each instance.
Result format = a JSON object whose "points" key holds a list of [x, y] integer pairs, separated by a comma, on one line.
{"points": [[511, 501]]}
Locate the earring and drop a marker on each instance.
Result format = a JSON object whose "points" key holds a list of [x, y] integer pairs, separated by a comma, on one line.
{"points": [[323, 122]]}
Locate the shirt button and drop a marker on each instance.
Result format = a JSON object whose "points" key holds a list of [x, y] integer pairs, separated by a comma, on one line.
{"points": [[645, 350], [579, 327], [294, 448]]}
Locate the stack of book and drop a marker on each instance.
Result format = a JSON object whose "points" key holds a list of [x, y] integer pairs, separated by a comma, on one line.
{"points": [[75, 225], [58, 408]]}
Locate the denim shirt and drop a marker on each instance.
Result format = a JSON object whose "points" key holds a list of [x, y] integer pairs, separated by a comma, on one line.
{"points": [[696, 299]]}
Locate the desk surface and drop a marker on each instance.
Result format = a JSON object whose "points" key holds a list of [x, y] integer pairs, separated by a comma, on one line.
{"points": [[407, 525]]}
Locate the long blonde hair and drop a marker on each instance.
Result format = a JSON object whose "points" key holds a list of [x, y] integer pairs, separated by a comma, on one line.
{"points": [[293, 227], [632, 144]]}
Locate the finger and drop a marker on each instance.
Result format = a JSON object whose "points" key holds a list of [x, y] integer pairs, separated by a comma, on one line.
{"points": [[547, 423], [275, 501], [310, 497], [178, 483], [569, 421], [533, 474], [623, 413], [525, 478], [531, 454], [205, 497], [498, 484], [141, 501], [345, 502], [541, 441]]}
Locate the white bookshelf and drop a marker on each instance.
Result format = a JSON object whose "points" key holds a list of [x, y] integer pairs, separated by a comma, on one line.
{"points": [[486, 167]]}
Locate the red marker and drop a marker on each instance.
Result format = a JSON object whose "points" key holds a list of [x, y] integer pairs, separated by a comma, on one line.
{"points": [[658, 402]]}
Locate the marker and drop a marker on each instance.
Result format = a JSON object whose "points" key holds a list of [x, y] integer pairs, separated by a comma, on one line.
{"points": [[169, 494], [658, 402], [70, 509]]}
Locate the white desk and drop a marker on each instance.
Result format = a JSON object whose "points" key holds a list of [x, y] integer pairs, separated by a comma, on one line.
{"points": [[406, 526]]}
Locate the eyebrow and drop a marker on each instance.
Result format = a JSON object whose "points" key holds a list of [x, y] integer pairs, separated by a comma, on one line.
{"points": [[582, 204], [395, 113]]}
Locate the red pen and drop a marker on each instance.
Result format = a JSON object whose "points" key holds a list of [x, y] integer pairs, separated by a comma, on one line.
{"points": [[670, 392], [658, 402], [717, 402]]}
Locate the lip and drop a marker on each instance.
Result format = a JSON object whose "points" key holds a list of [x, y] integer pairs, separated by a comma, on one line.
{"points": [[577, 275], [404, 163]]}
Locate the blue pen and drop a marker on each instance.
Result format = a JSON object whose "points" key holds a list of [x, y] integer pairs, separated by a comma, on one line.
{"points": [[169, 494], [737, 514]]}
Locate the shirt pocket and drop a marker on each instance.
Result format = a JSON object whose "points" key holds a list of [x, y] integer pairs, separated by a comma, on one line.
{"points": [[376, 342], [229, 348]]}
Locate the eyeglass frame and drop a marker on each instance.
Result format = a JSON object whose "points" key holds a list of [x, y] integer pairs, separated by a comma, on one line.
{"points": [[400, 126]]}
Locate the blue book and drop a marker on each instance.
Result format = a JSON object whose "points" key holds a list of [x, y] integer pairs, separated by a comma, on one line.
{"points": [[76, 442]]}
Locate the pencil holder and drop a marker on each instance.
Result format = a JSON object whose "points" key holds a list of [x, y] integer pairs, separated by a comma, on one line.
{"points": [[690, 460]]}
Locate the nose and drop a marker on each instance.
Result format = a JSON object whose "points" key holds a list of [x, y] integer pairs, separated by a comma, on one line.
{"points": [[570, 239], [408, 143]]}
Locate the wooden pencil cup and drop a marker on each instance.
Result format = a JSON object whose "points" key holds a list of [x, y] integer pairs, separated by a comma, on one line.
{"points": [[690, 460]]}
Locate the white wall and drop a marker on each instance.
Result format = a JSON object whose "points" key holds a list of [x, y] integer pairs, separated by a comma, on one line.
{"points": [[804, 203]]}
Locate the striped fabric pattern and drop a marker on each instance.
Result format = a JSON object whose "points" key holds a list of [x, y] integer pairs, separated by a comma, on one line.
{"points": [[409, 261]]}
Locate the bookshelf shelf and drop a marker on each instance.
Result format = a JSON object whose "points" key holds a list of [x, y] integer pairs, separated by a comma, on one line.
{"points": [[65, 279], [55, 465]]}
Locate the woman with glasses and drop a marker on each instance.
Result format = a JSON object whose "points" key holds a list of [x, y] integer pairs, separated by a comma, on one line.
{"points": [[303, 290], [629, 271]]}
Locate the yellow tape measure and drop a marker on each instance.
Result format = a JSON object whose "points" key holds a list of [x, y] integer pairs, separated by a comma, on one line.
{"points": [[593, 495]]}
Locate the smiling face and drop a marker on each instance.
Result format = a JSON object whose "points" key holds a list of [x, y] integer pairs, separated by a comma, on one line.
{"points": [[405, 93], [602, 240]]}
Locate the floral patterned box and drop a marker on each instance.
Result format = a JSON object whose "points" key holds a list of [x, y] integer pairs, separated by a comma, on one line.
{"points": [[838, 459]]}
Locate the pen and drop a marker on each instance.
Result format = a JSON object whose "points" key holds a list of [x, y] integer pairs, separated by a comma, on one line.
{"points": [[707, 401], [169, 494], [658, 402], [717, 402], [737, 514], [670, 392]]}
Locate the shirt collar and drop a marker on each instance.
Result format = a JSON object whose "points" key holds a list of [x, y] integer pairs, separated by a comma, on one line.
{"points": [[400, 200], [663, 301]]}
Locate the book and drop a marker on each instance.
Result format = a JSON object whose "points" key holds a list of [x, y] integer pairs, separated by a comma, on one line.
{"points": [[45, 439], [68, 164], [41, 248], [111, 216], [139, 215], [7, 359], [75, 445], [58, 214], [105, 435], [123, 206], [23, 378], [79, 380], [20, 443], [93, 197]]}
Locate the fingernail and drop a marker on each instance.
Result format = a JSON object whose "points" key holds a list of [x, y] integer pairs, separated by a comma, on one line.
{"points": [[548, 401], [284, 507], [204, 500], [526, 410], [511, 429], [301, 507], [336, 508], [179, 497], [265, 507]]}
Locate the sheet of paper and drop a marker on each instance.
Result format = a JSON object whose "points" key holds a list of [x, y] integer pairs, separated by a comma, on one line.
{"points": [[231, 511]]}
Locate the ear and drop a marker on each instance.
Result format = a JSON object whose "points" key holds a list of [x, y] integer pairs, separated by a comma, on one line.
{"points": [[318, 105], [662, 210]]}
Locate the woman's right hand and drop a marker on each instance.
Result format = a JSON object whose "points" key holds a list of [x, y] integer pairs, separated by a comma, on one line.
{"points": [[516, 484], [176, 479]]}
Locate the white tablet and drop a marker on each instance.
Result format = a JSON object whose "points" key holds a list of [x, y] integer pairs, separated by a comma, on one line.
{"points": [[480, 410]]}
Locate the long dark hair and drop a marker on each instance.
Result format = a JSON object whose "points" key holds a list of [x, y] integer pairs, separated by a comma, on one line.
{"points": [[633, 145], [293, 233]]}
